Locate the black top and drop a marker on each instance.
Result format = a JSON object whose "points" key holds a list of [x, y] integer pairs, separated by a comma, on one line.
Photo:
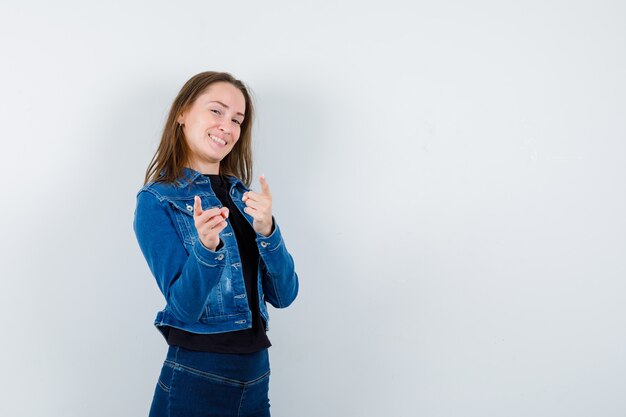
{"points": [[240, 341]]}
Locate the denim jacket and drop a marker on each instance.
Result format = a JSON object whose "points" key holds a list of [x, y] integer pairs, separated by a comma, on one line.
{"points": [[204, 289]]}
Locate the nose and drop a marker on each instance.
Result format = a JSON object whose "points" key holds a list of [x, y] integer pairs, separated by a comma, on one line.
{"points": [[223, 127]]}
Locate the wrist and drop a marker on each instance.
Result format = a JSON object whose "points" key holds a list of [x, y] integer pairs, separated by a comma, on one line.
{"points": [[268, 230], [212, 248]]}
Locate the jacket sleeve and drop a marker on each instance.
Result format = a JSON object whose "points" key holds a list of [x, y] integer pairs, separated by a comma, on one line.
{"points": [[279, 278], [184, 279]]}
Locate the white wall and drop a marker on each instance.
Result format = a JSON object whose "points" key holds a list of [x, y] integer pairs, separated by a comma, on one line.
{"points": [[449, 177]]}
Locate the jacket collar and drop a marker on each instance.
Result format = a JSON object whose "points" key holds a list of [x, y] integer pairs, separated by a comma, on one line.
{"points": [[189, 176]]}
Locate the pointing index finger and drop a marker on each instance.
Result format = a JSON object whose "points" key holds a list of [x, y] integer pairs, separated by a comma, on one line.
{"points": [[197, 206], [264, 185]]}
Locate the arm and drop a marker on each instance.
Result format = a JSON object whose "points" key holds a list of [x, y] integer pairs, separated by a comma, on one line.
{"points": [[280, 281], [184, 279]]}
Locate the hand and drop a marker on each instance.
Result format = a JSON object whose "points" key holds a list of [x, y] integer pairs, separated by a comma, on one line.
{"points": [[209, 223], [259, 206]]}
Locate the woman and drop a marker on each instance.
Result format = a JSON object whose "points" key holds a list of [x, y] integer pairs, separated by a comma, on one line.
{"points": [[216, 253]]}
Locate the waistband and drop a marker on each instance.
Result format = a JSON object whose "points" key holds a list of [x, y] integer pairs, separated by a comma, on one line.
{"points": [[236, 366]]}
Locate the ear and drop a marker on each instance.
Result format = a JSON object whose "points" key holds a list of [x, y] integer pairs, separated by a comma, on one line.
{"points": [[179, 119]]}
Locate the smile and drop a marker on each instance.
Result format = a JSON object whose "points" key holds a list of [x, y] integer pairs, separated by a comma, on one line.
{"points": [[218, 140]]}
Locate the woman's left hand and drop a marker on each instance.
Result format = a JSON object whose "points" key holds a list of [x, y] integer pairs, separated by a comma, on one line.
{"points": [[259, 206]]}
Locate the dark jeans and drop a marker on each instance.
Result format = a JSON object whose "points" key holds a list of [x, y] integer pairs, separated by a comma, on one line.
{"points": [[212, 384]]}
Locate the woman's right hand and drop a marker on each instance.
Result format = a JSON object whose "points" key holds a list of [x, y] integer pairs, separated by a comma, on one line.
{"points": [[209, 223]]}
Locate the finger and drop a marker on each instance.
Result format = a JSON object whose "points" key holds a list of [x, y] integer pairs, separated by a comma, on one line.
{"points": [[251, 195], [224, 212], [220, 226], [251, 211], [211, 234], [216, 223], [207, 215], [256, 204], [197, 206], [264, 185]]}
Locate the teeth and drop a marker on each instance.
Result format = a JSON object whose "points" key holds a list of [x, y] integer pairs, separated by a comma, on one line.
{"points": [[218, 140]]}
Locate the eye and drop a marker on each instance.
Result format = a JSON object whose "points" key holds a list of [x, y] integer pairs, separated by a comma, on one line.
{"points": [[216, 111], [237, 121]]}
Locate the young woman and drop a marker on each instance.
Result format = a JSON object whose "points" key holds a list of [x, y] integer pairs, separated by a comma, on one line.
{"points": [[216, 253]]}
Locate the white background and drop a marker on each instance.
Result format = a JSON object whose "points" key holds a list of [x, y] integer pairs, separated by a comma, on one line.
{"points": [[449, 177]]}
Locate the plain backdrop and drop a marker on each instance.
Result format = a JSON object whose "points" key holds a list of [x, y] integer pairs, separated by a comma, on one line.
{"points": [[449, 177]]}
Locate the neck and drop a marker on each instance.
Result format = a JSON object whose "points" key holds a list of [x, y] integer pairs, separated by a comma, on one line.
{"points": [[205, 167]]}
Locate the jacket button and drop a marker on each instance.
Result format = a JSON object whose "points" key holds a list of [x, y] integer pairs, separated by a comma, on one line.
{"points": [[264, 244], [220, 257], [189, 208]]}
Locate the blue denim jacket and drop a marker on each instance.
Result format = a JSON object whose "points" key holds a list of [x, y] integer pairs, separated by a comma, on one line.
{"points": [[204, 289]]}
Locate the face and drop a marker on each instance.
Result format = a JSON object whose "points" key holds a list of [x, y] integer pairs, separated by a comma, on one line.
{"points": [[212, 125]]}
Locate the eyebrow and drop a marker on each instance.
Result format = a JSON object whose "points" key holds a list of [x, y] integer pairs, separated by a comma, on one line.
{"points": [[224, 105]]}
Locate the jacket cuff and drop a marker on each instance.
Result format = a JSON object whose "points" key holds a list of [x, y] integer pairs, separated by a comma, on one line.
{"points": [[208, 257], [271, 242]]}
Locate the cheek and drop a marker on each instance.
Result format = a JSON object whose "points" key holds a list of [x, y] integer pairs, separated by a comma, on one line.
{"points": [[202, 121], [236, 134]]}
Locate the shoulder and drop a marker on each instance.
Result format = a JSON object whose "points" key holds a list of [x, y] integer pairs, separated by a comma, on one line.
{"points": [[153, 188], [153, 196], [149, 198], [161, 190]]}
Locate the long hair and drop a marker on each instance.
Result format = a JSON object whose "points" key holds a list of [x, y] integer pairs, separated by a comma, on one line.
{"points": [[173, 152]]}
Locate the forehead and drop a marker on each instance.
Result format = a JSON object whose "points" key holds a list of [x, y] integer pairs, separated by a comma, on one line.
{"points": [[224, 93]]}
